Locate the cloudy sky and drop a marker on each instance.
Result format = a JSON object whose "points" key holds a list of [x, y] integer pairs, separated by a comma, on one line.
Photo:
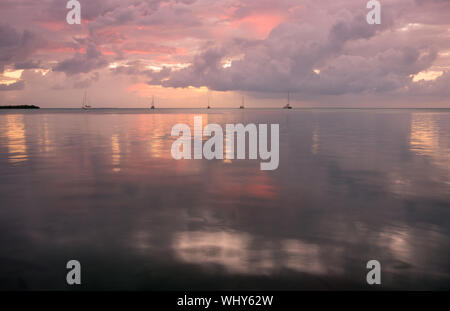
{"points": [[323, 52]]}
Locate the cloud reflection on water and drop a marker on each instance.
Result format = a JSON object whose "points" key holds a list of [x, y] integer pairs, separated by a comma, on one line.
{"points": [[237, 253], [352, 186]]}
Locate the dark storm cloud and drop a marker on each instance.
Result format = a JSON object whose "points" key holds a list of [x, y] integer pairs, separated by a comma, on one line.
{"points": [[287, 59], [82, 63], [136, 68], [19, 85], [29, 64], [16, 46]]}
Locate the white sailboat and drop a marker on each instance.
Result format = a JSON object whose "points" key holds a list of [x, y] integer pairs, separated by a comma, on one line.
{"points": [[84, 104], [288, 105]]}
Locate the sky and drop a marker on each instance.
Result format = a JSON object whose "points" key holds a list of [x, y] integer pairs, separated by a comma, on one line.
{"points": [[185, 52]]}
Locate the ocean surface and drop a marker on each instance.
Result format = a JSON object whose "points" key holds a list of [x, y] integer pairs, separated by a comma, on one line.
{"points": [[101, 187]]}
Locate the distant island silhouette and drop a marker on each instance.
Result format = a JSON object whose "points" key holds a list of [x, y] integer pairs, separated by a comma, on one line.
{"points": [[20, 107]]}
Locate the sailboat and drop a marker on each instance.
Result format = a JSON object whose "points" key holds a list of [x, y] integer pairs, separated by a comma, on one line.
{"points": [[209, 107], [242, 106], [153, 103], [288, 105], [84, 104]]}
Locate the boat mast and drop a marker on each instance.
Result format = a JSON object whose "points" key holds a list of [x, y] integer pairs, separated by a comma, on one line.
{"points": [[83, 104]]}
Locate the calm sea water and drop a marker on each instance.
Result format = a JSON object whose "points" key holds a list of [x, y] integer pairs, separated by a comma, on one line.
{"points": [[101, 187]]}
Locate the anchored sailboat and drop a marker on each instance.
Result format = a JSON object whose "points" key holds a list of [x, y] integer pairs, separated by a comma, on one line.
{"points": [[84, 104], [242, 106], [153, 103], [288, 105]]}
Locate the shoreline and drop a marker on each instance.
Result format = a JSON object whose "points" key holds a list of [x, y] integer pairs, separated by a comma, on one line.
{"points": [[20, 107]]}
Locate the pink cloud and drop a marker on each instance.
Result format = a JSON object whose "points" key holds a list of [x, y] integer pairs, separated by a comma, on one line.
{"points": [[270, 46]]}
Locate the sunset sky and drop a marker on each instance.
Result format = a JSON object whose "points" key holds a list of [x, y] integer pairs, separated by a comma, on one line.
{"points": [[323, 52]]}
